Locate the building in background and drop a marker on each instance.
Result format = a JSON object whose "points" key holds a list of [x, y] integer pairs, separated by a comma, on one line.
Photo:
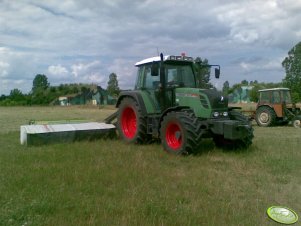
{"points": [[92, 94], [240, 95]]}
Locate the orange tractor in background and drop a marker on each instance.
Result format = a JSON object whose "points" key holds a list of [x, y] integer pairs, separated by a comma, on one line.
{"points": [[275, 107]]}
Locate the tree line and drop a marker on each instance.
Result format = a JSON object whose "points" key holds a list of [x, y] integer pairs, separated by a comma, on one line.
{"points": [[42, 93]]}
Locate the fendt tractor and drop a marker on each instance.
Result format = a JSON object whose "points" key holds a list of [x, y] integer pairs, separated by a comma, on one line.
{"points": [[167, 104]]}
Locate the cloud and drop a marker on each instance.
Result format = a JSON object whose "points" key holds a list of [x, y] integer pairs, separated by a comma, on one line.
{"points": [[57, 71], [3, 69], [84, 41], [124, 69], [274, 23], [89, 72], [261, 64], [82, 69]]}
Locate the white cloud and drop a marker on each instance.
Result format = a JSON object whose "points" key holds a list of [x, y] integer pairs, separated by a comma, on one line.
{"points": [[84, 69], [249, 36], [88, 72], [246, 66], [3, 69], [262, 64], [267, 22], [57, 70]]}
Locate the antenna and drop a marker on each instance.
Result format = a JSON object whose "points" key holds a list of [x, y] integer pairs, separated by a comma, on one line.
{"points": [[157, 51]]}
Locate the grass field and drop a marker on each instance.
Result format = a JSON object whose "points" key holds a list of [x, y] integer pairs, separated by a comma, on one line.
{"points": [[112, 183]]}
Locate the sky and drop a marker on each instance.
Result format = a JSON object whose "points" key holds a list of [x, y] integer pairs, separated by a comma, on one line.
{"points": [[83, 41]]}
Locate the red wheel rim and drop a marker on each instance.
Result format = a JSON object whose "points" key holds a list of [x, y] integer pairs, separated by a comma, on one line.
{"points": [[173, 136], [129, 122]]}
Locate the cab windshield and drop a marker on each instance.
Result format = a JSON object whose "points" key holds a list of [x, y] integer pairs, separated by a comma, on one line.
{"points": [[180, 74]]}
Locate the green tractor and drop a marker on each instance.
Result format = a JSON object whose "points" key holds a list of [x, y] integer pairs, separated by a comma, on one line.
{"points": [[167, 104]]}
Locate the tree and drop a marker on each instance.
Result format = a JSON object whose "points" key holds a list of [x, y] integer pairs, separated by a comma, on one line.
{"points": [[292, 66], [3, 97], [40, 83], [244, 82], [255, 82], [16, 95], [39, 90], [202, 70], [254, 94], [75, 89], [226, 88], [113, 88]]}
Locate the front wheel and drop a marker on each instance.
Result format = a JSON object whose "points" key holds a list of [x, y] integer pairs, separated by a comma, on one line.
{"points": [[179, 133], [297, 123]]}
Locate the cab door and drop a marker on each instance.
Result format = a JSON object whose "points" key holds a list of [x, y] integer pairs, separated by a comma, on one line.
{"points": [[277, 103], [151, 87]]}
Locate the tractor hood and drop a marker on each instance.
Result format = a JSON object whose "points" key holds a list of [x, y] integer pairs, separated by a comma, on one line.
{"points": [[203, 102], [216, 98]]}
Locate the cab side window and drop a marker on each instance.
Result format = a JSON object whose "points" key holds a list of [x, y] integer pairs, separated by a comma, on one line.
{"points": [[264, 97], [276, 97], [287, 97], [138, 83], [150, 82]]}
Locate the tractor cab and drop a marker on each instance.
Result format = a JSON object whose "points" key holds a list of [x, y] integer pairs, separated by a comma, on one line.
{"points": [[275, 96], [166, 80], [173, 71]]}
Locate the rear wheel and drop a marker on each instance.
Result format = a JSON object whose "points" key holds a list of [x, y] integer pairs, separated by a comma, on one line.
{"points": [[265, 116], [131, 124], [180, 133]]}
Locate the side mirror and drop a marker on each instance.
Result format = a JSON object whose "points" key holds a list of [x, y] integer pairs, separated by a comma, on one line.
{"points": [[217, 72], [155, 69]]}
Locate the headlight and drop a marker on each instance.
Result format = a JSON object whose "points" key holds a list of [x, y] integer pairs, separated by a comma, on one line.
{"points": [[215, 114], [225, 114]]}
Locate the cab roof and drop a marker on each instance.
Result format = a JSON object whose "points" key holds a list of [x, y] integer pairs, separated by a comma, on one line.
{"points": [[165, 58], [272, 89]]}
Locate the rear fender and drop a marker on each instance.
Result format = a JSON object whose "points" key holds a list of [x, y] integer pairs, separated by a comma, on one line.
{"points": [[136, 96], [278, 114]]}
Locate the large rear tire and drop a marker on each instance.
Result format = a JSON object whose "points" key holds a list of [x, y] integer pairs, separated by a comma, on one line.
{"points": [[131, 124], [265, 116], [180, 133]]}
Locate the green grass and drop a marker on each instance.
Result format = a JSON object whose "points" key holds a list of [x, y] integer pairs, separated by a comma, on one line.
{"points": [[108, 182]]}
